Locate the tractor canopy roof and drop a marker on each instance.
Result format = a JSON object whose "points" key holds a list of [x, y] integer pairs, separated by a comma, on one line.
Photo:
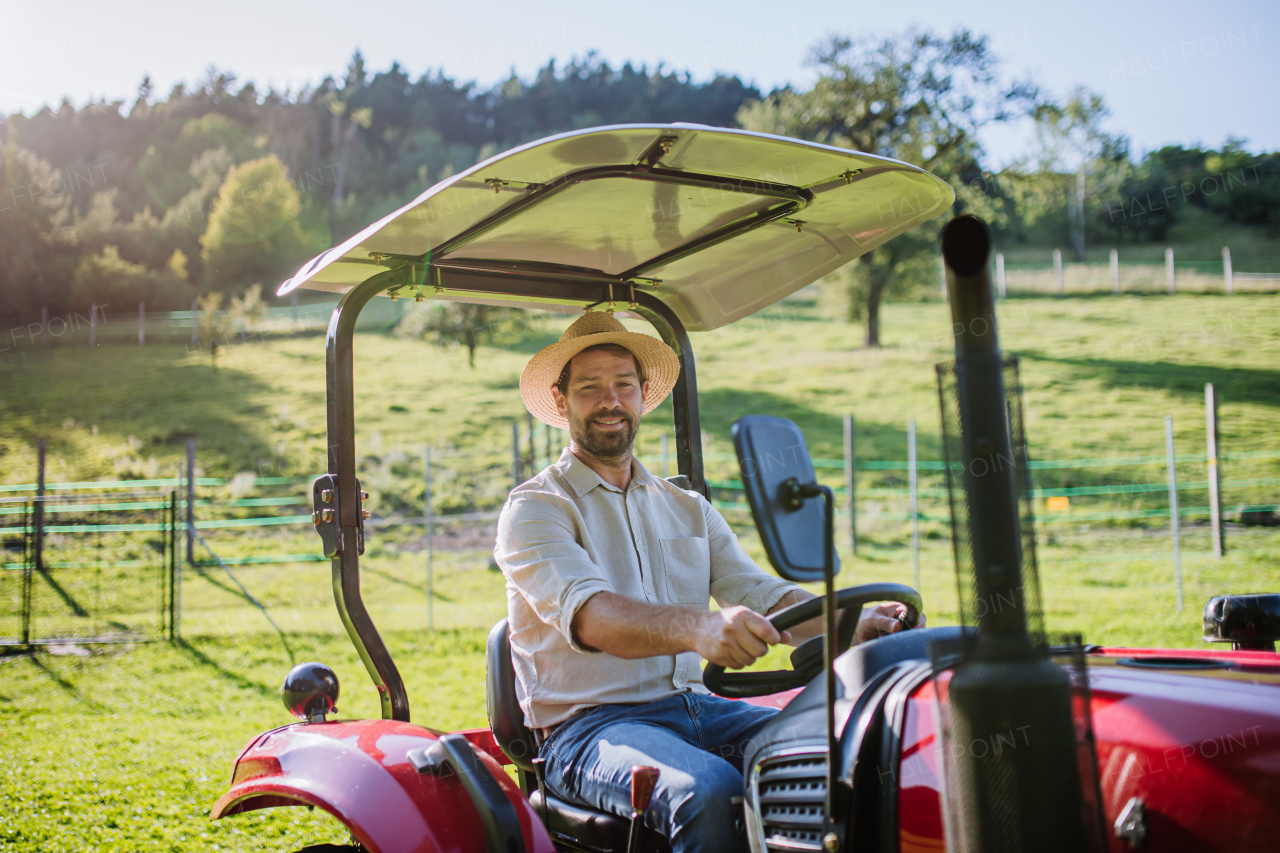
{"points": [[716, 223]]}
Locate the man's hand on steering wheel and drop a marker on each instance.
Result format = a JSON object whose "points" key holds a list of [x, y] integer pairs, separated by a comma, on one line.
{"points": [[736, 636], [885, 619]]}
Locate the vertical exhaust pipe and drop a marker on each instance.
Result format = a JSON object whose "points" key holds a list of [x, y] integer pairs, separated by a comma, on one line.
{"points": [[1015, 783]]}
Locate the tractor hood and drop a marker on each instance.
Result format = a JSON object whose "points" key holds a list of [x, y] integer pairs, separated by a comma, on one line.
{"points": [[716, 223]]}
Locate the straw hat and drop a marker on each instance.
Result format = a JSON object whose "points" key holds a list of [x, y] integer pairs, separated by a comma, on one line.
{"points": [[658, 361]]}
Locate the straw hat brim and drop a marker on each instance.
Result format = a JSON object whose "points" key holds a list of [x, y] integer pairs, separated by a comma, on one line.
{"points": [[659, 362]]}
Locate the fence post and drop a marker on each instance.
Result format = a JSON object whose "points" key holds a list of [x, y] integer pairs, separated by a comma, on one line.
{"points": [[850, 485], [173, 563], [1173, 507], [37, 515], [195, 321], [44, 325], [142, 322], [516, 479], [1000, 283], [426, 512], [533, 450], [1168, 275], [93, 325], [1215, 482], [1226, 270], [1057, 271], [28, 510], [915, 498], [191, 501], [1115, 271]]}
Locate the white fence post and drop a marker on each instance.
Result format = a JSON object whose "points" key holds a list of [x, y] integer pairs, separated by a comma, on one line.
{"points": [[1057, 271], [1173, 507], [915, 501], [1168, 273], [1226, 270], [1215, 483], [93, 325], [1115, 271], [142, 322], [1000, 283]]}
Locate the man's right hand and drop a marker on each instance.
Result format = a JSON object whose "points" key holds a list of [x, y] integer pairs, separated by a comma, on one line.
{"points": [[736, 637]]}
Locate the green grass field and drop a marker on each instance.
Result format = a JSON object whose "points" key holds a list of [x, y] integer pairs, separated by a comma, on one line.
{"points": [[127, 748]]}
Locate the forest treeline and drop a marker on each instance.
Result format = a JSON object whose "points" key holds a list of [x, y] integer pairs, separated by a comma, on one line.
{"points": [[217, 186]]}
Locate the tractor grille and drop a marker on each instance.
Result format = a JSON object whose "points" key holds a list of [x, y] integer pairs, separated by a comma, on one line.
{"points": [[791, 793]]}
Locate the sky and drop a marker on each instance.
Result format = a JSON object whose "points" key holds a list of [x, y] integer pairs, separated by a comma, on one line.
{"points": [[1171, 72]]}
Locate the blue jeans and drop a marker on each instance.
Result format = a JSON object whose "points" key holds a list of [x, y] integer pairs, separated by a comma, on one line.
{"points": [[696, 741]]}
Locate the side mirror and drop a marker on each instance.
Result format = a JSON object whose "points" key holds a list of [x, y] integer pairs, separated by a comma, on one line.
{"points": [[776, 468]]}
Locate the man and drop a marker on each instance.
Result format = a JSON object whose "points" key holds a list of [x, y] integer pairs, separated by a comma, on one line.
{"points": [[609, 573]]}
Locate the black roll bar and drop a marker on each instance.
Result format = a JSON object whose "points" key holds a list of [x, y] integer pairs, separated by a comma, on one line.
{"points": [[340, 404]]}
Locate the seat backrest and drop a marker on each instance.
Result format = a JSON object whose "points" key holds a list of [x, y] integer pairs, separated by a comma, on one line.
{"points": [[506, 718]]}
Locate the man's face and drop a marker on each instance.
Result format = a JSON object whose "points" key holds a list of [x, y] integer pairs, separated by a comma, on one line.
{"points": [[603, 403]]}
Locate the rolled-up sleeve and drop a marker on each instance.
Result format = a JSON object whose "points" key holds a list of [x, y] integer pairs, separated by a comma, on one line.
{"points": [[735, 577], [540, 557]]}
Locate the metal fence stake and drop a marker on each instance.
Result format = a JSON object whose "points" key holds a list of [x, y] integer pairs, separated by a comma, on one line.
{"points": [[191, 501], [37, 515], [1227, 274], [426, 512], [1115, 271], [93, 325], [1057, 272], [1215, 480], [1173, 507], [915, 499], [1168, 273], [850, 486]]}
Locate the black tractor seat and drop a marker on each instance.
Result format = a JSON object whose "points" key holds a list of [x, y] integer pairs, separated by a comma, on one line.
{"points": [[572, 827]]}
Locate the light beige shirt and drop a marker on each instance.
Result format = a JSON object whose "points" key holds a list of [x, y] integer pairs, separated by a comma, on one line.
{"points": [[565, 535]]}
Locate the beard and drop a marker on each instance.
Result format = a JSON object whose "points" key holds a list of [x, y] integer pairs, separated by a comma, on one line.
{"points": [[604, 444]]}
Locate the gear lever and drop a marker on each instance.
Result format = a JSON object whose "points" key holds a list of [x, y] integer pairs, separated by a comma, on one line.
{"points": [[643, 781]]}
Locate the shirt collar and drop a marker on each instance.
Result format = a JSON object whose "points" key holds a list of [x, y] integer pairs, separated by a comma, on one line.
{"points": [[582, 479]]}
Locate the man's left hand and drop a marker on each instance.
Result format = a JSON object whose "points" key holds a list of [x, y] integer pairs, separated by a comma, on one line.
{"points": [[885, 619]]}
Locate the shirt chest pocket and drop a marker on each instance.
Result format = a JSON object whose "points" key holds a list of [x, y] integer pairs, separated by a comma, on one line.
{"points": [[686, 571]]}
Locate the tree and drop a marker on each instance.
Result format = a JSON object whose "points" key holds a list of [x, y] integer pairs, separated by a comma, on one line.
{"points": [[1072, 143], [253, 230], [451, 324], [917, 97]]}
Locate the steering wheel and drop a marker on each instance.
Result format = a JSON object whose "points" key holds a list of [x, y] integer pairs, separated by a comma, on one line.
{"points": [[807, 659]]}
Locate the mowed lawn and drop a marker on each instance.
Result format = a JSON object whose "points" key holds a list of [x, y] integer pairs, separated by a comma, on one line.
{"points": [[125, 749]]}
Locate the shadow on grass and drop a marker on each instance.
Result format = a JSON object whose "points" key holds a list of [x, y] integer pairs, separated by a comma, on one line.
{"points": [[824, 432], [66, 597], [1237, 384], [417, 587], [66, 686], [236, 678]]}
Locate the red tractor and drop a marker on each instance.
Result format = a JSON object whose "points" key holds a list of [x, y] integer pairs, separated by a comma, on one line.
{"points": [[980, 737]]}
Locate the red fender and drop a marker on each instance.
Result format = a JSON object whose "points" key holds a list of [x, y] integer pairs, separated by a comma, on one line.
{"points": [[357, 770]]}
